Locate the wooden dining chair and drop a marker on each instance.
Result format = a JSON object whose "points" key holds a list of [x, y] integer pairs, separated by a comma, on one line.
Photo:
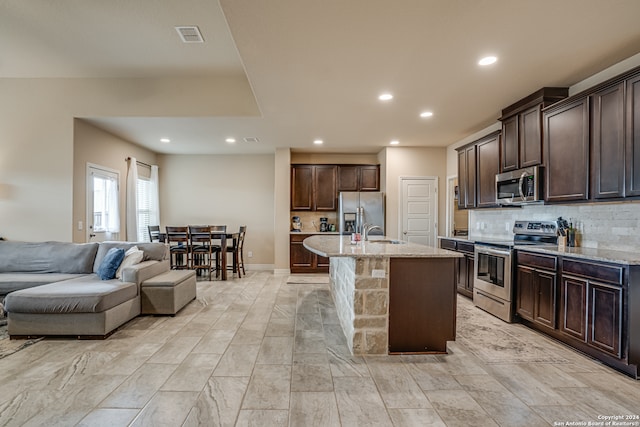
{"points": [[237, 254], [217, 247], [201, 248], [154, 233], [179, 248]]}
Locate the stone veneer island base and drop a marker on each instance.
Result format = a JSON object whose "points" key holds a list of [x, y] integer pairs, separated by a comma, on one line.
{"points": [[393, 297]]}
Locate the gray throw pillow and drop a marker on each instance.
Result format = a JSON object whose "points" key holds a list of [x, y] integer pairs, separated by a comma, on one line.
{"points": [[110, 264]]}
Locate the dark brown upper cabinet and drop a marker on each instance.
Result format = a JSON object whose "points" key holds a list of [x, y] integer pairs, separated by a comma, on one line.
{"points": [[521, 144], [632, 133], [467, 177], [313, 187], [301, 187], [592, 143], [358, 178], [566, 135], [478, 164], [607, 142], [488, 165]]}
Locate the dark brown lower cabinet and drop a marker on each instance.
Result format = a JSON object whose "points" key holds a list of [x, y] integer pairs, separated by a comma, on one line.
{"points": [[537, 290], [545, 313], [604, 318], [599, 309], [322, 262], [592, 312], [574, 308], [422, 305], [464, 266], [302, 260], [525, 296], [464, 282]]}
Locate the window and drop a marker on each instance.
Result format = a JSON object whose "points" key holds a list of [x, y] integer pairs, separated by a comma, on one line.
{"points": [[143, 190]]}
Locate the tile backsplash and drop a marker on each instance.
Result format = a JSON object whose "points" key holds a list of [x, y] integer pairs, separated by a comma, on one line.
{"points": [[599, 225], [311, 220]]}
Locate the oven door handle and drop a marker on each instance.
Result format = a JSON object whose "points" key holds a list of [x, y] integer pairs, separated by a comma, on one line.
{"points": [[493, 252]]}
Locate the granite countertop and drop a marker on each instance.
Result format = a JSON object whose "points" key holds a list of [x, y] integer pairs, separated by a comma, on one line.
{"points": [[340, 246], [311, 232], [605, 255], [593, 254]]}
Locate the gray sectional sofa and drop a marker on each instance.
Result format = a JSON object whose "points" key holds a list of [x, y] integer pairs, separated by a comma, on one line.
{"points": [[51, 288]]}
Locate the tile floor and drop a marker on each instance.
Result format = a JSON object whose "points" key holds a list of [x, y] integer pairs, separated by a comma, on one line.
{"points": [[258, 351]]}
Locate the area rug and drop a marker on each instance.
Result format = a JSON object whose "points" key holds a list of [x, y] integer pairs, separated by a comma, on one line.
{"points": [[308, 279], [8, 346], [496, 342]]}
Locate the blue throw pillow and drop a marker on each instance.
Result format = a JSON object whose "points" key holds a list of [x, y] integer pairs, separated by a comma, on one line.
{"points": [[110, 264]]}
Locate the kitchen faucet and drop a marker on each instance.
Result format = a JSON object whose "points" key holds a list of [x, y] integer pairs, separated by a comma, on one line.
{"points": [[367, 228]]}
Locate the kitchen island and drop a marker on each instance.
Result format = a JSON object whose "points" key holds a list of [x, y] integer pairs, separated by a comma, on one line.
{"points": [[391, 296]]}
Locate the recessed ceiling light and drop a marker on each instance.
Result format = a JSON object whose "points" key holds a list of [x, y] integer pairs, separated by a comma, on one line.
{"points": [[394, 142], [487, 60], [426, 114], [165, 140], [230, 140], [385, 97], [318, 141]]}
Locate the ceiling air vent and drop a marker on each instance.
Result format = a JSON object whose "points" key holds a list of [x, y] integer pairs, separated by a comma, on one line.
{"points": [[190, 34], [251, 139]]}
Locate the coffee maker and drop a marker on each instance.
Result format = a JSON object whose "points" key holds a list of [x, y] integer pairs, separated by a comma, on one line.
{"points": [[324, 225], [296, 225]]}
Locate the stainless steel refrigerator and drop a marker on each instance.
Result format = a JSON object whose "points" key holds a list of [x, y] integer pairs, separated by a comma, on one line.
{"points": [[356, 208]]}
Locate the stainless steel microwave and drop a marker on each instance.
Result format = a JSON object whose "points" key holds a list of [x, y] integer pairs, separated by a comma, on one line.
{"points": [[519, 187]]}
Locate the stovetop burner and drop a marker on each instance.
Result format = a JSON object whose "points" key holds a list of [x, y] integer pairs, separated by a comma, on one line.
{"points": [[527, 233]]}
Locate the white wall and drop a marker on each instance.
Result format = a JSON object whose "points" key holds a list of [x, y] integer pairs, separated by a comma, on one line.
{"points": [[282, 203], [222, 190], [94, 145], [37, 142], [407, 162]]}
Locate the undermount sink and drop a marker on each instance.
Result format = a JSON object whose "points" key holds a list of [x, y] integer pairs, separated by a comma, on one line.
{"points": [[388, 241]]}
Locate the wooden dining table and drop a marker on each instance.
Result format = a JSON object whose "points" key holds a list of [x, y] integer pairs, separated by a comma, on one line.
{"points": [[222, 236]]}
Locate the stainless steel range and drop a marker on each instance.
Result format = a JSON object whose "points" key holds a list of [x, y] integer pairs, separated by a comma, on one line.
{"points": [[494, 270]]}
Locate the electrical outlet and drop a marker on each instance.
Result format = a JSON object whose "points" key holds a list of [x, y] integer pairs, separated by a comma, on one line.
{"points": [[506, 226], [80, 225], [250, 254]]}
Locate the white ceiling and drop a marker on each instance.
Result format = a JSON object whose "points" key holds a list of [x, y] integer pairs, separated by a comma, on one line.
{"points": [[317, 67]]}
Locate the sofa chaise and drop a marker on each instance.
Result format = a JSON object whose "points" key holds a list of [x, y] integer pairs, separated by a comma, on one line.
{"points": [[51, 288]]}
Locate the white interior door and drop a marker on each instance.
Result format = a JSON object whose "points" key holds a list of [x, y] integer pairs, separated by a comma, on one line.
{"points": [[419, 210], [103, 213]]}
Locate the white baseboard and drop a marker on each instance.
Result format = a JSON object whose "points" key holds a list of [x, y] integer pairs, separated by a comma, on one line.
{"points": [[282, 271]]}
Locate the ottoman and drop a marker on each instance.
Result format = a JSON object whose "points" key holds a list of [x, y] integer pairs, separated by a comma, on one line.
{"points": [[168, 292]]}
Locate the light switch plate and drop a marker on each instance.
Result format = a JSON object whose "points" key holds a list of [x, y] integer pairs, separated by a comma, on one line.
{"points": [[378, 274]]}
